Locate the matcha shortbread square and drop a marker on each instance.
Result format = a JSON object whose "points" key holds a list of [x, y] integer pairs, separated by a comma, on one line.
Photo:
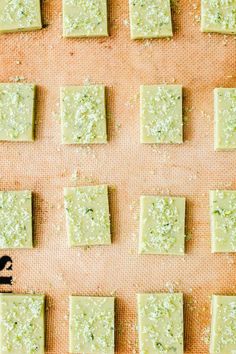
{"points": [[87, 216], [218, 16], [223, 325], [83, 114], [161, 114], [16, 219], [20, 15], [91, 324], [225, 118], [223, 220], [17, 103], [162, 225], [150, 19], [21, 324], [83, 18], [160, 323]]}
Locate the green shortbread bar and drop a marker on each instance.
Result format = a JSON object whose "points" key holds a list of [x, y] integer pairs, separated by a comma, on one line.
{"points": [[225, 118], [223, 220], [223, 326], [91, 325], [17, 112], [16, 219], [83, 114], [218, 16], [87, 215], [20, 15], [162, 225], [21, 324], [160, 319], [161, 114], [83, 18], [150, 19]]}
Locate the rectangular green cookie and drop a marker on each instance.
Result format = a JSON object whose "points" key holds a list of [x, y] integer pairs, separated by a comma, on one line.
{"points": [[20, 15], [17, 112], [150, 19], [223, 220], [21, 324], [161, 114], [218, 16], [91, 325], [83, 18], [160, 321], [223, 325], [83, 114], [225, 118], [16, 219], [162, 225], [87, 216]]}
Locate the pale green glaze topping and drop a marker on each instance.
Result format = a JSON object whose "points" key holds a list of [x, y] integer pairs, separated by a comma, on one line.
{"points": [[91, 325], [225, 118], [19, 14], [160, 323], [21, 324], [219, 16], [150, 18], [223, 335], [83, 115], [161, 114], [162, 225], [223, 219], [15, 220], [16, 111], [84, 18], [87, 214]]}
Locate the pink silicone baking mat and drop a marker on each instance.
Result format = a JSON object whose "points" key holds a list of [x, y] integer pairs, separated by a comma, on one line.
{"points": [[200, 62]]}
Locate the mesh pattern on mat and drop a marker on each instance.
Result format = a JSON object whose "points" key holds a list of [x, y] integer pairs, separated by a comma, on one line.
{"points": [[200, 63]]}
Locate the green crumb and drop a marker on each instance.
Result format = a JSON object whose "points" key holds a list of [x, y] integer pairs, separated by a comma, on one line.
{"points": [[150, 18], [223, 220], [87, 216], [160, 323], [83, 115], [225, 118], [17, 112], [161, 114], [83, 18], [16, 219], [20, 15], [21, 324], [223, 325], [91, 324], [162, 225], [218, 16]]}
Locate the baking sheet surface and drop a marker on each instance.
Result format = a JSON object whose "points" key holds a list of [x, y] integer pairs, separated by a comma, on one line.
{"points": [[200, 62]]}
